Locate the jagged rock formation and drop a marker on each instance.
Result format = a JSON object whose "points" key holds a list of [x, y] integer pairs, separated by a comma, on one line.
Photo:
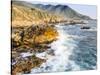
{"points": [[33, 35]]}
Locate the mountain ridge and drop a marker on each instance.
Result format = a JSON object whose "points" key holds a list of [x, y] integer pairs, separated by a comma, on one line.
{"points": [[26, 15], [62, 10]]}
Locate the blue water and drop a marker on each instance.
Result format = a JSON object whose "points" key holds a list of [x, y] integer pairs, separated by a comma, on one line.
{"points": [[75, 49], [85, 55]]}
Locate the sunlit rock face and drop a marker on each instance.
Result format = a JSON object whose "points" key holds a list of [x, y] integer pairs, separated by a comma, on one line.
{"points": [[33, 35]]}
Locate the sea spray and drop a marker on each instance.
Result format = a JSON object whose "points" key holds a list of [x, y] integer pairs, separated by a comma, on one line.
{"points": [[63, 48]]}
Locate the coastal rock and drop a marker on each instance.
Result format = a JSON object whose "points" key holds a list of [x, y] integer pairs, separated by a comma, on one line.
{"points": [[34, 35], [33, 39], [24, 65]]}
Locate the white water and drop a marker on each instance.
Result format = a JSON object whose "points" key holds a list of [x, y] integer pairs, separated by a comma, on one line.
{"points": [[60, 61], [26, 54]]}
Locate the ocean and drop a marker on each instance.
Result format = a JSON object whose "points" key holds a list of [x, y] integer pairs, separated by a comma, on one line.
{"points": [[74, 50]]}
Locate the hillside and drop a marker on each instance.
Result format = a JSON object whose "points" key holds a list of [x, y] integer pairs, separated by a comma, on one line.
{"points": [[26, 16], [62, 10]]}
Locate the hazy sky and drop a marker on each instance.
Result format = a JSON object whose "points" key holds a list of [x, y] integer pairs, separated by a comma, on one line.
{"points": [[89, 10]]}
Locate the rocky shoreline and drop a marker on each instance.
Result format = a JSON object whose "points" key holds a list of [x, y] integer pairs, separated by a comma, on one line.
{"points": [[32, 31], [32, 39]]}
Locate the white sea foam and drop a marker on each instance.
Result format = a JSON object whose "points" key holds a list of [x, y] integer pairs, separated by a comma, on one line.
{"points": [[63, 48], [26, 54]]}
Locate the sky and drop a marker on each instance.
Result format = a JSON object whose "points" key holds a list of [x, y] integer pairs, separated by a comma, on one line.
{"points": [[89, 10]]}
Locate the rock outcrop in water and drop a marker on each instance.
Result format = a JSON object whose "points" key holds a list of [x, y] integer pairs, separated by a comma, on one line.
{"points": [[33, 35], [33, 39], [85, 27]]}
